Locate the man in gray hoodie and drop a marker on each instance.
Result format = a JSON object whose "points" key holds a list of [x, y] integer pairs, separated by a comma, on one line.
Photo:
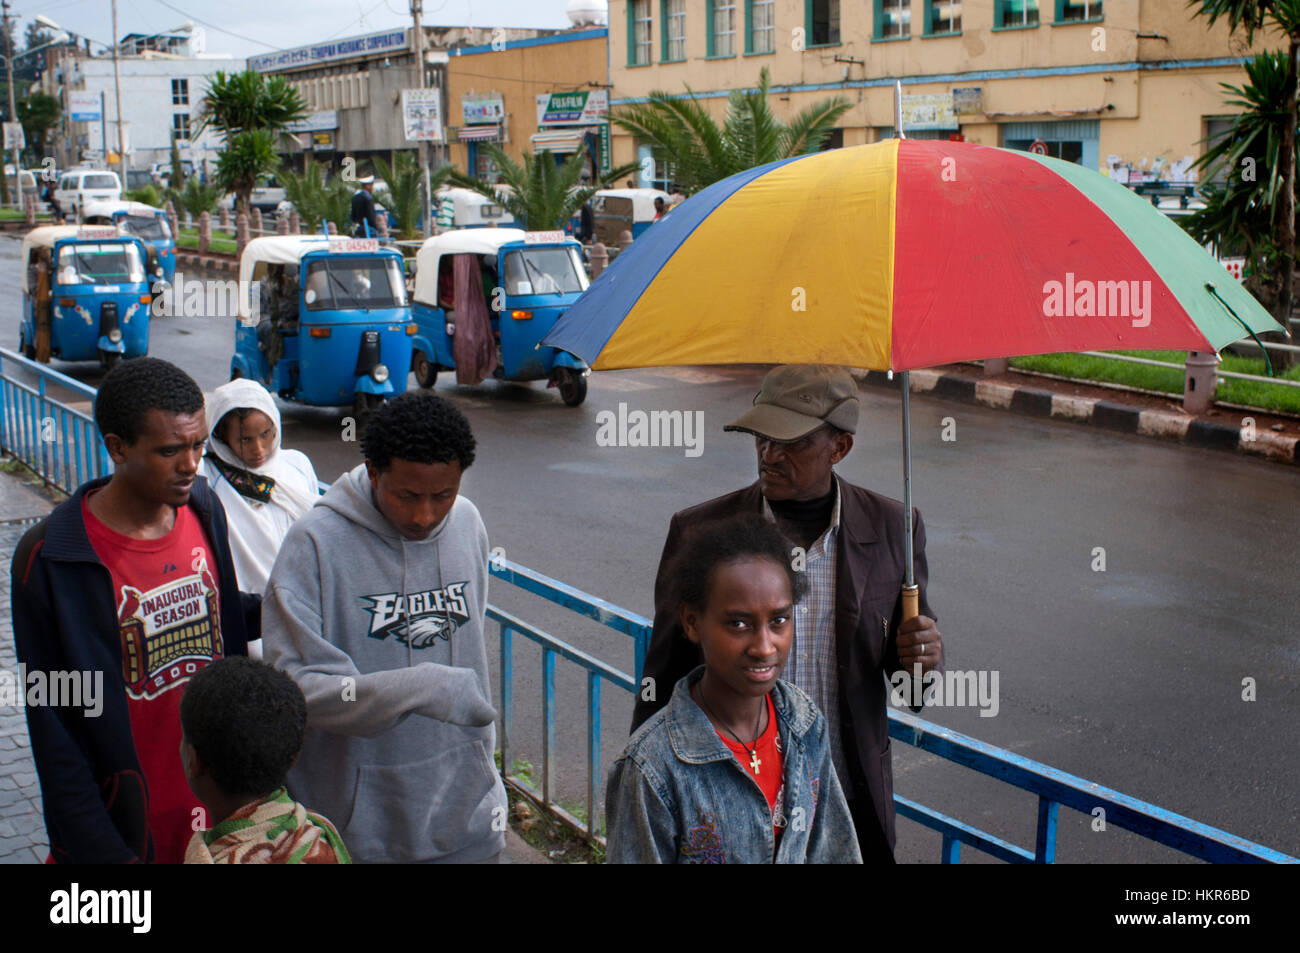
{"points": [[375, 607]]}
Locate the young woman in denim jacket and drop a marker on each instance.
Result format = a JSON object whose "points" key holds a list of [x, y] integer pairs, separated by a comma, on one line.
{"points": [[737, 768]]}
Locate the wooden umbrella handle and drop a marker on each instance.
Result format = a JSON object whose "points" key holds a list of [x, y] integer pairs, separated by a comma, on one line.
{"points": [[911, 602]]}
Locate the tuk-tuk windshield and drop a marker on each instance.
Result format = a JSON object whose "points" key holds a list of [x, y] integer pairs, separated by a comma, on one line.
{"points": [[347, 284], [535, 271], [149, 227], [90, 264]]}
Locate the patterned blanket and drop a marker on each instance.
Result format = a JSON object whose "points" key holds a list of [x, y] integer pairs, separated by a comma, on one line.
{"points": [[274, 830]]}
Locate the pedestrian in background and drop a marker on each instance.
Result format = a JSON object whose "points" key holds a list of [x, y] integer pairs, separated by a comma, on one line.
{"points": [[376, 608], [263, 486], [131, 583], [737, 768], [363, 208], [849, 628]]}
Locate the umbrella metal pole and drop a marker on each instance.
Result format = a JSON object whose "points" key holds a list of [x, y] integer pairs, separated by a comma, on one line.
{"points": [[911, 594]]}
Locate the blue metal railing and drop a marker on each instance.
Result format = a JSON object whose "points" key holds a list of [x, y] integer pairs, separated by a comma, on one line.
{"points": [[61, 444], [1054, 788], [58, 441], [607, 614]]}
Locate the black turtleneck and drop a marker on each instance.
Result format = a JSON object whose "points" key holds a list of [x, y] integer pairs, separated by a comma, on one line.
{"points": [[805, 520]]}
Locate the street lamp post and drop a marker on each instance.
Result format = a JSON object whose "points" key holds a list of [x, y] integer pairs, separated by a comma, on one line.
{"points": [[117, 93]]}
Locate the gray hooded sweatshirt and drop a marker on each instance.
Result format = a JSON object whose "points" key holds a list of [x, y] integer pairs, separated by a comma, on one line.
{"points": [[400, 733]]}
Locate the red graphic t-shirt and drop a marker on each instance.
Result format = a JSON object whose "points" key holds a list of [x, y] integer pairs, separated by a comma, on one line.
{"points": [[770, 774], [170, 622]]}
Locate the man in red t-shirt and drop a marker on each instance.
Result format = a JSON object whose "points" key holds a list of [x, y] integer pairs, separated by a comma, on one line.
{"points": [[132, 581]]}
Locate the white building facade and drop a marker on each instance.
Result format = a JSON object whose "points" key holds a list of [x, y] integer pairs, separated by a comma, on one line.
{"points": [[161, 98]]}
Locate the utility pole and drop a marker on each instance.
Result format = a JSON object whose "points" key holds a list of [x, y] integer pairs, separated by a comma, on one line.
{"points": [[422, 146], [117, 90], [13, 114]]}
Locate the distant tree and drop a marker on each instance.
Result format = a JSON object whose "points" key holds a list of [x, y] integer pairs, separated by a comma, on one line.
{"points": [[1242, 216], [246, 156], [196, 198], [250, 111], [39, 113], [542, 194], [29, 66], [316, 200], [681, 131], [1251, 17], [177, 180], [404, 197]]}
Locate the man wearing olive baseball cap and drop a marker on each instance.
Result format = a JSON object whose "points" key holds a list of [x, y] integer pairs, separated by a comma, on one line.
{"points": [[849, 630]]}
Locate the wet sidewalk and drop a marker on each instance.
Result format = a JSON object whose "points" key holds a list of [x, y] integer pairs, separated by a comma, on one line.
{"points": [[22, 827]]}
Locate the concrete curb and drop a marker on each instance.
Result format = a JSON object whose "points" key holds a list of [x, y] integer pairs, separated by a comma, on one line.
{"points": [[1112, 415], [213, 264]]}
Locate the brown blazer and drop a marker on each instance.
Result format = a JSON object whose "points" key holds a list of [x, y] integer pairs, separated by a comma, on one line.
{"points": [[868, 610]]}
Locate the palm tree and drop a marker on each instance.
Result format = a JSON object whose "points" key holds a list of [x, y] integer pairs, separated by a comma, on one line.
{"points": [[681, 131], [250, 111], [404, 198], [542, 194], [196, 198], [318, 201], [1254, 16], [1241, 216]]}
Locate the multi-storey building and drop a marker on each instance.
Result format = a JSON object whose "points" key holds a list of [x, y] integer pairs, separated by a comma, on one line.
{"points": [[1124, 86]]}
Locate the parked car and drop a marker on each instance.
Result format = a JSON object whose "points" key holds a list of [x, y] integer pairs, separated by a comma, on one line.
{"points": [[160, 172], [78, 186]]}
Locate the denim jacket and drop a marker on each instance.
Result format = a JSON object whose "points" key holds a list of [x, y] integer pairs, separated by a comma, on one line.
{"points": [[678, 795]]}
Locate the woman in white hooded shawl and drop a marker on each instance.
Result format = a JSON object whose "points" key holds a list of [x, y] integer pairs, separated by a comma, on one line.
{"points": [[263, 487]]}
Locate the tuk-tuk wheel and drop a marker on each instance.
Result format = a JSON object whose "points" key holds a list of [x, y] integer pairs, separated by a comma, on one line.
{"points": [[363, 405], [236, 373], [28, 351], [573, 388], [426, 375], [107, 359]]}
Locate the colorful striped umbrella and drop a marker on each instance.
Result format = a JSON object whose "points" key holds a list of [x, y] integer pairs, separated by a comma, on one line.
{"points": [[905, 254]]}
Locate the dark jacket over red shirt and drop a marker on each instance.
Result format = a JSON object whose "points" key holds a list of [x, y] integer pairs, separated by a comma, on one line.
{"points": [[65, 620], [868, 611]]}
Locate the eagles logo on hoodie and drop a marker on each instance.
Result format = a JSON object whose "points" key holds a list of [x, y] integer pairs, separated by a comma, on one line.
{"points": [[432, 614]]}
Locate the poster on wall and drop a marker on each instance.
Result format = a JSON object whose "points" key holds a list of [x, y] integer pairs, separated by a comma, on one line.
{"points": [[929, 111], [422, 115]]}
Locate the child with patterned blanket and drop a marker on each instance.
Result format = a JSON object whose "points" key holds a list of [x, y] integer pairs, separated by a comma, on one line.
{"points": [[242, 724]]}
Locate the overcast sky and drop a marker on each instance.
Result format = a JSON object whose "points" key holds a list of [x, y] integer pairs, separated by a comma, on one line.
{"points": [[248, 27]]}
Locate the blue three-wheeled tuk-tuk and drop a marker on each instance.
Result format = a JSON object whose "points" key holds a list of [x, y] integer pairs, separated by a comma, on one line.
{"points": [[524, 280], [85, 295], [323, 320], [146, 223]]}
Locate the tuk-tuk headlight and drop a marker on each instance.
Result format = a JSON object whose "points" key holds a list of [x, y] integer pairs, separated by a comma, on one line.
{"points": [[115, 335], [380, 373]]}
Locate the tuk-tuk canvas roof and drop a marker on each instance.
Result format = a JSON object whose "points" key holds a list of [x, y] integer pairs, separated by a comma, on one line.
{"points": [[643, 201], [465, 241], [108, 207], [274, 250], [44, 237]]}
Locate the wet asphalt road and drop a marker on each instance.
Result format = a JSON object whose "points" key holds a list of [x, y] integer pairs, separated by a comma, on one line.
{"points": [[1131, 677]]}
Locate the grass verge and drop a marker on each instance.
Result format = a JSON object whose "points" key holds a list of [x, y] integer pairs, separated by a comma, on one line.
{"points": [[1170, 380], [542, 832], [189, 238]]}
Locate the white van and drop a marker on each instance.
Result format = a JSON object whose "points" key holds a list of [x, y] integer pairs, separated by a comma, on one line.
{"points": [[78, 186]]}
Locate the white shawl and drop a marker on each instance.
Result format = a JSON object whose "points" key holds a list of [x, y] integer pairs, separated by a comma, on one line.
{"points": [[257, 529]]}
